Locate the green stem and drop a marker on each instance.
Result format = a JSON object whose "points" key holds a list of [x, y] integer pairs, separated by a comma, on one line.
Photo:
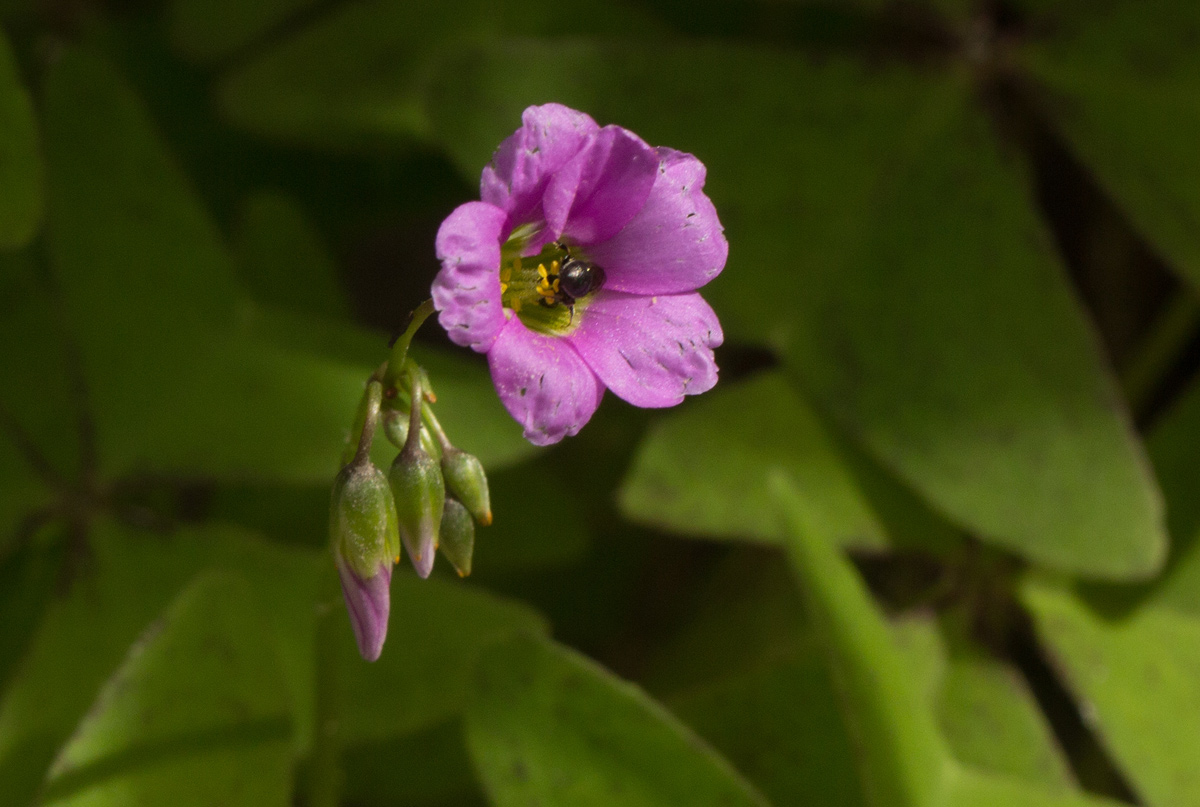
{"points": [[325, 771], [415, 405], [365, 420], [1160, 348], [435, 426], [395, 366]]}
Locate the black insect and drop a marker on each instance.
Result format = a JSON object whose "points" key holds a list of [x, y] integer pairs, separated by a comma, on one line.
{"points": [[576, 278]]}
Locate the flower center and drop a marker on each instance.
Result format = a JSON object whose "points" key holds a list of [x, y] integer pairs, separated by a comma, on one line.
{"points": [[548, 291]]}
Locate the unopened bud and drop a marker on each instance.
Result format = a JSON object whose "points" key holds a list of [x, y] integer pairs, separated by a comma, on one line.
{"points": [[395, 428], [458, 536], [420, 495], [365, 542], [467, 481]]}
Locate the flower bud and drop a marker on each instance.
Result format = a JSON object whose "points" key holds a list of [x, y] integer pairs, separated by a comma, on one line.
{"points": [[365, 542], [420, 495], [395, 427], [458, 536], [467, 481]]}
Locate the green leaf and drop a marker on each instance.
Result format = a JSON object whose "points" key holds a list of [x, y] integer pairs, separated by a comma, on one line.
{"points": [[21, 491], [966, 788], [745, 616], [35, 387], [282, 259], [547, 726], [207, 30], [984, 708], [359, 75], [1122, 84], [884, 697], [194, 716], [27, 581], [703, 470], [901, 756], [128, 237], [176, 384], [1172, 447], [781, 727], [955, 350], [122, 582], [920, 301], [517, 544], [467, 404], [437, 632], [20, 162], [223, 405], [430, 767], [1139, 674]]}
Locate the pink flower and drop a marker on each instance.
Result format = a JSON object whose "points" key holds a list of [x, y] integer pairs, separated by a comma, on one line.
{"points": [[578, 272]]}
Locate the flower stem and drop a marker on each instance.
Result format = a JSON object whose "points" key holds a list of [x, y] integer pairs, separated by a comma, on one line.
{"points": [[395, 365], [435, 426]]}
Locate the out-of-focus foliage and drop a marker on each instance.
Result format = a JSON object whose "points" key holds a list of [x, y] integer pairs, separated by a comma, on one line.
{"points": [[20, 163], [916, 549]]}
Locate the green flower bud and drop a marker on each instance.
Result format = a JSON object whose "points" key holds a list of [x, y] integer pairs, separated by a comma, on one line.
{"points": [[458, 536], [365, 543], [395, 428], [362, 519], [420, 495], [467, 481]]}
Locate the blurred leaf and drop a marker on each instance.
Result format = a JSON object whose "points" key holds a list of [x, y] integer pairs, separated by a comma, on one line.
{"points": [[967, 788], [516, 543], [175, 387], [35, 387], [437, 632], [467, 405], [20, 161], [28, 574], [129, 238], [779, 724], [122, 582], [1122, 83], [919, 301], [358, 75], [194, 716], [746, 615], [703, 470], [1172, 447], [901, 757], [207, 30], [984, 708], [282, 259], [222, 405], [426, 768], [1139, 677], [547, 726], [21, 491], [956, 351]]}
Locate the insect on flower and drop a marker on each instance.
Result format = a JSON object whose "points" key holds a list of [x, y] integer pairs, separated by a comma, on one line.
{"points": [[578, 269]]}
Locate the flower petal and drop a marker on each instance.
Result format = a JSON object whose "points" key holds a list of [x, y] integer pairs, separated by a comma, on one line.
{"points": [[651, 351], [467, 289], [543, 383], [604, 186], [675, 243], [550, 135], [368, 600]]}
